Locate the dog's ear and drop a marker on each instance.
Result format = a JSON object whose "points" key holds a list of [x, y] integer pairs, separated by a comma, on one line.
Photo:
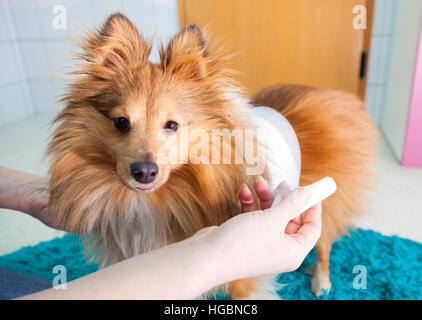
{"points": [[116, 45], [187, 54]]}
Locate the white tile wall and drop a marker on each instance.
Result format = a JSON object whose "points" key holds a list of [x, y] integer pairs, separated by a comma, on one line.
{"points": [[165, 20], [15, 102], [25, 18], [34, 55], [4, 28], [58, 54], [80, 15], [379, 58], [10, 73], [35, 61], [141, 12], [12, 102], [102, 8], [45, 97]]}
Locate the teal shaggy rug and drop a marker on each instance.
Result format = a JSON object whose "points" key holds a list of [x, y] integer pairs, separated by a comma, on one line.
{"points": [[364, 265]]}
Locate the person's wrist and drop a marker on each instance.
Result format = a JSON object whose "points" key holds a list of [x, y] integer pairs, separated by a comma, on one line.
{"points": [[20, 196], [9, 198], [209, 258], [218, 259], [12, 184]]}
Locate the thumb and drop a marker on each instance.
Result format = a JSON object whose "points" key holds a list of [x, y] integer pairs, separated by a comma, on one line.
{"points": [[291, 205]]}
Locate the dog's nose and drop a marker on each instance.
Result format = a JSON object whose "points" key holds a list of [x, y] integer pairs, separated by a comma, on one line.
{"points": [[144, 172]]}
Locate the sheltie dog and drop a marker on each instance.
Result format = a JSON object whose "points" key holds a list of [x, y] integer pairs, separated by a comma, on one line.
{"points": [[111, 176]]}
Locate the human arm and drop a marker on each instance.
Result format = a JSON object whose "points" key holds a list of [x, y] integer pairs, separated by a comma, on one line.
{"points": [[251, 244], [28, 193], [183, 270]]}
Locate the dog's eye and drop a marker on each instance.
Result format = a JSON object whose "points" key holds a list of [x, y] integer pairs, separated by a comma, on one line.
{"points": [[171, 126], [122, 123]]}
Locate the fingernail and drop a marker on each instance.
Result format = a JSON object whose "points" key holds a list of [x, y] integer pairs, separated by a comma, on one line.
{"points": [[245, 188], [260, 178]]}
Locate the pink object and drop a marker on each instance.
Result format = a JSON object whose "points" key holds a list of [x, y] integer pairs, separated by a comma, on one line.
{"points": [[412, 151]]}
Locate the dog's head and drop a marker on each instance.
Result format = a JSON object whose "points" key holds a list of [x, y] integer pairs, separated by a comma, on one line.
{"points": [[127, 113]]}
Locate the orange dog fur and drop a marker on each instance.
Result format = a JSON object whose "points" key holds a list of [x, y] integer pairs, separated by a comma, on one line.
{"points": [[91, 187]]}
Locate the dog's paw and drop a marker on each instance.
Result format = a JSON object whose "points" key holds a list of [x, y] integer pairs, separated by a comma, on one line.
{"points": [[320, 281]]}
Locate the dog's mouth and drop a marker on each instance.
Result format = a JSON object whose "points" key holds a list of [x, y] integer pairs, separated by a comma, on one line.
{"points": [[138, 187], [145, 188]]}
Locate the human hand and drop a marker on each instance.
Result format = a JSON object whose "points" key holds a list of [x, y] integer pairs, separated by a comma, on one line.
{"points": [[27, 193], [266, 241], [266, 199], [34, 196]]}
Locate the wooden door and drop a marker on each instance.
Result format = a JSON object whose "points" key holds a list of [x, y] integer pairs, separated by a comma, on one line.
{"points": [[287, 41]]}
